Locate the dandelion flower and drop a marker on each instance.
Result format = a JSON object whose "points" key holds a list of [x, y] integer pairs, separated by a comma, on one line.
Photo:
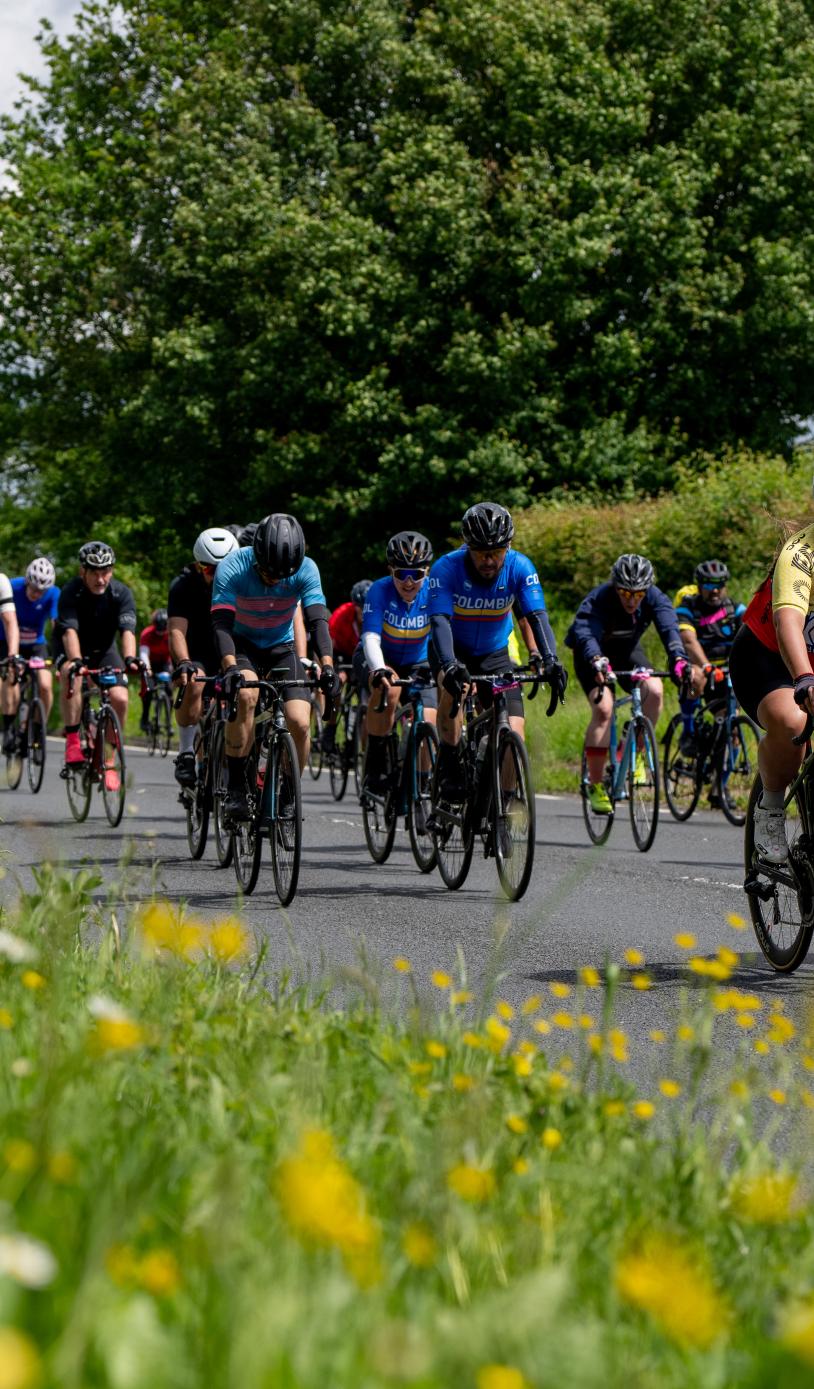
{"points": [[324, 1205], [516, 1124], [419, 1246], [685, 940], [728, 957], [436, 1050], [559, 990], [531, 1005], [782, 1029], [228, 940], [441, 979], [401, 965], [461, 996], [497, 1032], [586, 1022], [765, 1199], [643, 1109], [551, 1139], [522, 1065], [777, 1096], [463, 1083], [762, 1047], [32, 980], [504, 1010], [158, 1273], [685, 1033], [613, 1108], [590, 977], [20, 1365], [745, 1020], [542, 1027], [520, 1167], [471, 1183], [658, 1035], [642, 981], [665, 1280], [419, 1068], [634, 957], [472, 1039], [736, 922], [739, 1090], [19, 1155], [500, 1377], [797, 1330], [557, 1082], [114, 1029], [670, 1088], [563, 1020], [62, 1168]]}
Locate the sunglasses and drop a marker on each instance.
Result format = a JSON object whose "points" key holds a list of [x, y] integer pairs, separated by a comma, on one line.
{"points": [[631, 592], [407, 574], [709, 587]]}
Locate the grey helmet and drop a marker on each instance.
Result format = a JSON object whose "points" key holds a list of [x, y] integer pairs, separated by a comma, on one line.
{"points": [[633, 572], [214, 544], [95, 554]]}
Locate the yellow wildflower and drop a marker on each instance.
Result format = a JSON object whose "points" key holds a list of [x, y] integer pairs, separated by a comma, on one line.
{"points": [[797, 1330], [6, 1020], [516, 1124], [463, 1083], [531, 1005], [19, 1155], [441, 980], [526, 1048], [471, 1183], [419, 1068], [559, 990], [634, 957], [728, 957], [765, 1199], [685, 1033], [20, 1365], [782, 1029], [586, 1022], [685, 940], [472, 1039], [777, 1096], [739, 1090], [643, 1109], [557, 1082], [32, 980], [670, 1088], [497, 1032], [504, 1010], [658, 1035], [324, 1205], [461, 996], [642, 981], [542, 1027], [665, 1280], [745, 1020], [522, 1065], [596, 1043], [500, 1377], [551, 1139], [563, 1020], [117, 1034], [163, 928], [159, 1273], [436, 1050], [402, 965], [590, 977], [520, 1166], [613, 1108], [228, 940], [419, 1246], [122, 1265], [736, 922]]}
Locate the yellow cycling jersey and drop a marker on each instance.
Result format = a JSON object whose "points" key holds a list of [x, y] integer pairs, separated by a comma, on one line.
{"points": [[688, 591], [788, 586]]}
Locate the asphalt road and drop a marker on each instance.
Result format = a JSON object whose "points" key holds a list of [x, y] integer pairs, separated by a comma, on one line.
{"points": [[585, 906]]}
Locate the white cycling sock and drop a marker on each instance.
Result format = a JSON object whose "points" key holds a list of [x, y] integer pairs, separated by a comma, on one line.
{"points": [[186, 737], [772, 800]]}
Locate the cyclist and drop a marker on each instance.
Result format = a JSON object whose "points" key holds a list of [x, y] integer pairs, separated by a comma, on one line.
{"points": [[471, 595], [245, 540], [9, 648], [154, 650], [254, 601], [345, 627], [708, 620], [772, 670], [94, 609], [192, 646], [395, 637], [606, 633], [35, 602]]}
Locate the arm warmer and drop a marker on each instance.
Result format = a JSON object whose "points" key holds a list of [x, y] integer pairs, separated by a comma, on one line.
{"points": [[442, 637], [372, 647], [664, 616], [316, 620], [541, 631], [223, 621]]}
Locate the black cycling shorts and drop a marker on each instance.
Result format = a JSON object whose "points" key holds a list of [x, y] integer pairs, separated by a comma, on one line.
{"points": [[493, 663], [755, 670], [262, 660], [621, 659], [361, 674]]}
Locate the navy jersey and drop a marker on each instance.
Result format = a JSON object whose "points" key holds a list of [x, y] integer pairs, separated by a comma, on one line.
{"points": [[601, 623], [480, 612], [404, 628]]}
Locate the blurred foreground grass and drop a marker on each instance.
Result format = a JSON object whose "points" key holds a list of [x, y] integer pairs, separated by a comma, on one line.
{"points": [[208, 1178]]}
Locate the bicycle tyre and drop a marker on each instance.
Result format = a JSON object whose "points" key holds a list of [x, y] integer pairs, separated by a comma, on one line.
{"points": [[164, 712], [379, 821], [682, 787], [198, 806], [598, 826], [14, 760], [454, 843], [338, 761], [36, 740], [79, 779], [358, 747], [644, 798], [784, 949], [419, 805], [513, 819], [737, 768], [110, 732], [285, 836], [224, 848], [315, 758], [246, 836]]}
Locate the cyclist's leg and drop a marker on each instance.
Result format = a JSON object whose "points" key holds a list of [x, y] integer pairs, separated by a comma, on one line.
{"points": [[9, 703], [765, 691], [295, 697], [187, 716], [497, 663], [239, 734], [45, 683], [598, 732], [70, 704], [450, 776], [119, 694]]}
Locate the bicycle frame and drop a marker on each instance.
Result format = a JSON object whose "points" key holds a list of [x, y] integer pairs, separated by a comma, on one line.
{"points": [[627, 760]]}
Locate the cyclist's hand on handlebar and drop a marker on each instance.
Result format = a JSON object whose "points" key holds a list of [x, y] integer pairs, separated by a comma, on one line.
{"points": [[601, 666], [76, 666], [681, 674], [16, 666], [329, 682], [184, 672], [456, 676], [232, 682], [804, 691], [380, 677], [557, 677], [134, 666]]}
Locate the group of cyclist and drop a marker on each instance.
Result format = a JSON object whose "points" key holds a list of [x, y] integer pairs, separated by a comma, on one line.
{"points": [[252, 600]]}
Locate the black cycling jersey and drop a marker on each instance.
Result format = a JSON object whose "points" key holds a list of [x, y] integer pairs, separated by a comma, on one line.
{"points": [[715, 627], [97, 618], [190, 596]]}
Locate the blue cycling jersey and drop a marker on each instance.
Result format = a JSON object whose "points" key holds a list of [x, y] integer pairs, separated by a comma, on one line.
{"points": [[481, 613], [263, 615], [404, 628], [32, 617]]}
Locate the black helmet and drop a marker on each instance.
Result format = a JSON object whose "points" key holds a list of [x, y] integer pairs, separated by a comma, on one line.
{"points": [[160, 617], [95, 554], [246, 537], [235, 529], [487, 526], [632, 571], [408, 549], [712, 571], [279, 545], [358, 593]]}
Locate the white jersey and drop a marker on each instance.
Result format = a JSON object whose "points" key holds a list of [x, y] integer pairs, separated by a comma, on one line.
{"points": [[6, 595]]}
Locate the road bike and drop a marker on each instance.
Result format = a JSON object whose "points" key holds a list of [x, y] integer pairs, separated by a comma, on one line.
{"points": [[781, 896], [316, 758], [631, 771], [723, 756], [205, 798], [347, 751], [159, 727], [29, 727], [100, 736], [275, 799], [499, 801], [410, 751]]}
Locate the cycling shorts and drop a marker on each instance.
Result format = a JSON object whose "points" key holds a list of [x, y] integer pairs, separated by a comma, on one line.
{"points": [[28, 649], [491, 663], [755, 670], [627, 659], [261, 660], [361, 674]]}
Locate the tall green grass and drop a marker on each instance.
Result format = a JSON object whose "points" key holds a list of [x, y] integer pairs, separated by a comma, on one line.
{"points": [[210, 1178]]}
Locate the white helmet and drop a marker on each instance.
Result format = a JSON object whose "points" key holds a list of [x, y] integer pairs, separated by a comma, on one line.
{"points": [[213, 545], [40, 573]]}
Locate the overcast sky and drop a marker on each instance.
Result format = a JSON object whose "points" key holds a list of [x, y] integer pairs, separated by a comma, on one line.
{"points": [[19, 22]]}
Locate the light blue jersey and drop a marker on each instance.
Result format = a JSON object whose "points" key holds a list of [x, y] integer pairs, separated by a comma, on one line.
{"points": [[404, 628], [264, 615]]}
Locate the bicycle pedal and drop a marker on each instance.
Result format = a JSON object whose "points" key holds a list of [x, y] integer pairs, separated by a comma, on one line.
{"points": [[754, 888]]}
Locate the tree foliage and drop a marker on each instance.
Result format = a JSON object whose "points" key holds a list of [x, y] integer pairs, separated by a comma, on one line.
{"points": [[369, 260]]}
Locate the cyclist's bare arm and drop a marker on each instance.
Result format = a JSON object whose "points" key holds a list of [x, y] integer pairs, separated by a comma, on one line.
{"points": [[11, 630], [177, 628]]}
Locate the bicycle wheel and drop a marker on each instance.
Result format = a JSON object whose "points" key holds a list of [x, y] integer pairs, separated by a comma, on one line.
{"points": [[338, 761], [113, 756], [197, 805], [224, 848], [246, 836], [285, 832], [78, 779], [35, 745], [358, 742], [598, 826], [453, 831], [513, 815], [784, 921], [164, 717], [151, 733], [737, 768], [424, 750], [682, 782], [315, 758], [14, 760], [643, 783]]}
